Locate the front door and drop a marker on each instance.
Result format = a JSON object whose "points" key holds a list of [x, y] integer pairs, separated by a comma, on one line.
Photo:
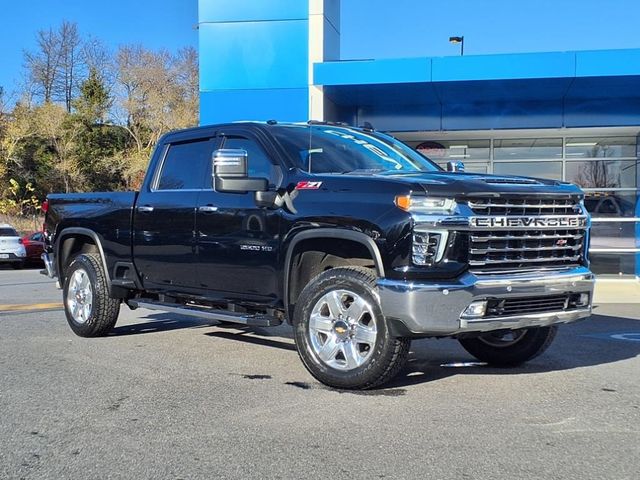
{"points": [[238, 242], [164, 220]]}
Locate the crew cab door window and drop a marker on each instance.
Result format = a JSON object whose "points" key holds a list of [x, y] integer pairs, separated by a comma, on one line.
{"points": [[185, 165]]}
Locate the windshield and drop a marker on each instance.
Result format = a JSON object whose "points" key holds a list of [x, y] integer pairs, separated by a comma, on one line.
{"points": [[334, 149], [7, 232]]}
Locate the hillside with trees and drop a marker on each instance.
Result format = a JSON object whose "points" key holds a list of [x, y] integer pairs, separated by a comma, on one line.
{"points": [[87, 117]]}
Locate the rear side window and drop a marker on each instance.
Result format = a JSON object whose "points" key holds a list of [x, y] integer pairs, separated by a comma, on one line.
{"points": [[185, 165], [8, 232]]}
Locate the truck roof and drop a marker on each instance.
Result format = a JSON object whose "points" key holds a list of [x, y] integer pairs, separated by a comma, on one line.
{"points": [[265, 125]]}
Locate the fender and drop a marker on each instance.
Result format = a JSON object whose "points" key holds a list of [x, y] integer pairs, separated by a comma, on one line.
{"points": [[341, 233], [66, 232]]}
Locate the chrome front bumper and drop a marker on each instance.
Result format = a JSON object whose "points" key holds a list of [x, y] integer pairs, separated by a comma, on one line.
{"points": [[435, 309]]}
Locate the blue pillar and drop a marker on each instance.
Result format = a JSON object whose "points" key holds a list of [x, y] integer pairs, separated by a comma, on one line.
{"points": [[253, 60], [256, 56]]}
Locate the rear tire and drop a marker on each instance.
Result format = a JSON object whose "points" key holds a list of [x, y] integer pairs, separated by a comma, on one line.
{"points": [[90, 311], [17, 265], [497, 350], [341, 334]]}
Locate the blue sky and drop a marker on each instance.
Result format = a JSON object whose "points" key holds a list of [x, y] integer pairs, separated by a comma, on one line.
{"points": [[370, 28], [153, 23]]}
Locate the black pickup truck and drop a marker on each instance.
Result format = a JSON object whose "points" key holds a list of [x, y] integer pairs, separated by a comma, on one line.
{"points": [[352, 237]]}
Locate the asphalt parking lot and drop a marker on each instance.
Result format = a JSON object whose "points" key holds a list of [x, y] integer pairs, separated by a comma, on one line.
{"points": [[170, 397]]}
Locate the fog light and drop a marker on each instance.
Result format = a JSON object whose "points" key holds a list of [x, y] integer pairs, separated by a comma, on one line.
{"points": [[428, 247], [475, 310], [583, 300]]}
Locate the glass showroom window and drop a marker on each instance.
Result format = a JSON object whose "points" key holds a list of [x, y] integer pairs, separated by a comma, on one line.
{"points": [[540, 169], [601, 174], [609, 175], [527, 148], [541, 149], [474, 153], [601, 147]]}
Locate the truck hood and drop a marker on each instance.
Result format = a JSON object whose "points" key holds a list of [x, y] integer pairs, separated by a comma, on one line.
{"points": [[472, 184]]}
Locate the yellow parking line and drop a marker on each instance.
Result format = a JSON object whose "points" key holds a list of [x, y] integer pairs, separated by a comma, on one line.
{"points": [[29, 307]]}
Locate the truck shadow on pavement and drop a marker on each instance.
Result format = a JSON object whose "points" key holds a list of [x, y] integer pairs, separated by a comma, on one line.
{"points": [[584, 344], [253, 336], [160, 322]]}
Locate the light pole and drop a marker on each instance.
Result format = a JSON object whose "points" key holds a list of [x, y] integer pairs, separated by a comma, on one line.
{"points": [[459, 40]]}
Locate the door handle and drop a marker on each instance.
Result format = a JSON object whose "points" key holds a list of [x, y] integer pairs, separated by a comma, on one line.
{"points": [[207, 209], [145, 208]]}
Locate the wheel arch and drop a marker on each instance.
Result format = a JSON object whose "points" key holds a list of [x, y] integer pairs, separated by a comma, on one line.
{"points": [[334, 234], [74, 240]]}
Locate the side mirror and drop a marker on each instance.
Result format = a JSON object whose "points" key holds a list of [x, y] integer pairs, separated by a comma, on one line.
{"points": [[231, 172], [455, 166]]}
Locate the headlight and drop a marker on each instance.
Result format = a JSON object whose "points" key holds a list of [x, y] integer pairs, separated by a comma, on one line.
{"points": [[425, 204]]}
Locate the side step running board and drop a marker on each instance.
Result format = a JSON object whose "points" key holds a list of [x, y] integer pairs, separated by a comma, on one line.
{"points": [[254, 320]]}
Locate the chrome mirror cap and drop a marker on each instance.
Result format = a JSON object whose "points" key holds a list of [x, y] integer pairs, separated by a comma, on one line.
{"points": [[455, 166]]}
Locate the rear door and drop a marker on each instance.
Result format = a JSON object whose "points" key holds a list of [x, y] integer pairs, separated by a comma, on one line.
{"points": [[164, 220]]}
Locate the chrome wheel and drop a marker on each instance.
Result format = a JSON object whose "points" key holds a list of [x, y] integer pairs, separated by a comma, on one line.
{"points": [[502, 340], [342, 329], [79, 296]]}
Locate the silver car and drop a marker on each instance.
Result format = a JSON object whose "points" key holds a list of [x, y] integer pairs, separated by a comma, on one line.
{"points": [[11, 248]]}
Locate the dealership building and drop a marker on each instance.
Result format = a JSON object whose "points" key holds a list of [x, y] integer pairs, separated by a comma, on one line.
{"points": [[572, 116]]}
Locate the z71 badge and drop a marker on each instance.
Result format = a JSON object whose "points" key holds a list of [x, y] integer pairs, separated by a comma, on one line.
{"points": [[308, 185]]}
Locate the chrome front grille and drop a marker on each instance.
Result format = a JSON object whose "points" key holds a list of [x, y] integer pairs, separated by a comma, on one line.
{"points": [[524, 206], [495, 250]]}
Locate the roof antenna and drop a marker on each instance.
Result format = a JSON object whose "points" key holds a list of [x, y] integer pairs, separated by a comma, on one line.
{"points": [[367, 126]]}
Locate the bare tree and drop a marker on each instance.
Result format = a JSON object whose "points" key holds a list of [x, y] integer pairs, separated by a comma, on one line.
{"points": [[55, 69], [187, 77], [595, 174], [97, 57], [43, 65], [70, 67]]}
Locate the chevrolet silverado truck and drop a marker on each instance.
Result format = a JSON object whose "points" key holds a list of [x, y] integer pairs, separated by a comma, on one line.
{"points": [[349, 235]]}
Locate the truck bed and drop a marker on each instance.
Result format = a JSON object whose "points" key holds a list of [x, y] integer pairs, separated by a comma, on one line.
{"points": [[108, 214]]}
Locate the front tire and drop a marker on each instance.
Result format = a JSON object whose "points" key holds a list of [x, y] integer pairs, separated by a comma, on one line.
{"points": [[90, 311], [18, 265], [341, 334], [510, 349]]}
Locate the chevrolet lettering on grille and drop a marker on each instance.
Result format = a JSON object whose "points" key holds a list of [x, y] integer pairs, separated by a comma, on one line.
{"points": [[528, 222]]}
